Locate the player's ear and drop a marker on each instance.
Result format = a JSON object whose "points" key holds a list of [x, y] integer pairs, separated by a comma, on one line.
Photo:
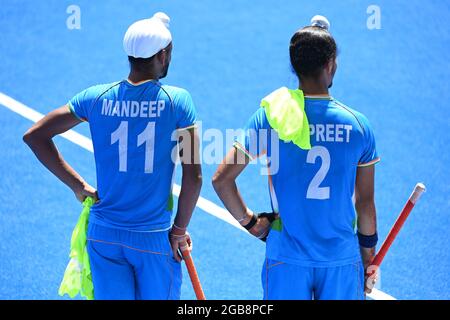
{"points": [[335, 65], [162, 57], [331, 66]]}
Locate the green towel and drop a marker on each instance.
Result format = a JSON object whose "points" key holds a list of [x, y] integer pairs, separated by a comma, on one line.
{"points": [[77, 277], [285, 111]]}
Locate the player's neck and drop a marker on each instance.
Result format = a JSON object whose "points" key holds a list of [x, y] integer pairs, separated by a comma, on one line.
{"points": [[136, 77], [314, 88]]}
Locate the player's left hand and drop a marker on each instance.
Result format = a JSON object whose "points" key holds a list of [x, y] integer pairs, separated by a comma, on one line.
{"points": [[179, 241]]}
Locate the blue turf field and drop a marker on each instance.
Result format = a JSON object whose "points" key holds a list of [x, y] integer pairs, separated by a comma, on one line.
{"points": [[229, 54]]}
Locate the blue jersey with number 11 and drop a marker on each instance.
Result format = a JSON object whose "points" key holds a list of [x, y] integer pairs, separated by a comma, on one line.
{"points": [[312, 189], [132, 130]]}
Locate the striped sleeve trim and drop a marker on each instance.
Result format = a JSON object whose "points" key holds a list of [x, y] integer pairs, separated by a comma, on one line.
{"points": [[241, 148], [370, 163], [72, 110]]}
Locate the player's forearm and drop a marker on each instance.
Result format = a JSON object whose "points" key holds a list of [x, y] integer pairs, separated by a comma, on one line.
{"points": [[191, 185], [47, 153], [367, 226], [367, 217], [228, 192]]}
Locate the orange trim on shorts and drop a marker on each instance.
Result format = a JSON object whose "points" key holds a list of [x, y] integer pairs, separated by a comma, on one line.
{"points": [[274, 265], [128, 247]]}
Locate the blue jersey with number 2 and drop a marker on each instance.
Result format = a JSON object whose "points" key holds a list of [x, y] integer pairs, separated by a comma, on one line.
{"points": [[132, 130], [312, 189]]}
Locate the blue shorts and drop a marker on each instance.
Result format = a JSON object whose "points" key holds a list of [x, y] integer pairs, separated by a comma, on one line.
{"points": [[129, 265], [283, 281]]}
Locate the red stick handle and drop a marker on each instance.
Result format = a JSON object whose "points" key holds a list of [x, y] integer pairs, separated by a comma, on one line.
{"points": [[418, 190], [193, 274]]}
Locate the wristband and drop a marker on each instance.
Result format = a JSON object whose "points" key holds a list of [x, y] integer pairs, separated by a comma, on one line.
{"points": [[252, 222], [367, 241], [179, 238], [263, 239], [179, 228]]}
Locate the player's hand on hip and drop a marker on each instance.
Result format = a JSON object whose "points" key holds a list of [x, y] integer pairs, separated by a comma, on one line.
{"points": [[263, 224], [85, 190], [179, 241]]}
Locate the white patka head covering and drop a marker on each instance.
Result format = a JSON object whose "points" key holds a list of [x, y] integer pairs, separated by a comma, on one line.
{"points": [[145, 38]]}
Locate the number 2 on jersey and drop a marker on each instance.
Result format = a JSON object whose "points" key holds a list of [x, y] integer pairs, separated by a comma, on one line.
{"points": [[146, 137], [314, 189]]}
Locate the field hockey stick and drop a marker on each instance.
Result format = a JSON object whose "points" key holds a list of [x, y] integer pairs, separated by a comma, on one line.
{"points": [[413, 198], [192, 273]]}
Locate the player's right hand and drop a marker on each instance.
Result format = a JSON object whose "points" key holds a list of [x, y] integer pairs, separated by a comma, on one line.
{"points": [[84, 191], [370, 278], [262, 227], [179, 241], [370, 271]]}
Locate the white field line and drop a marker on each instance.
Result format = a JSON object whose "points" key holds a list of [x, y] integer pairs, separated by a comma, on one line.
{"points": [[379, 295], [35, 116], [86, 143]]}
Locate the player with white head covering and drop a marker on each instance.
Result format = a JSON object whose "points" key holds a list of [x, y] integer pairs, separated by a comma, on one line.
{"points": [[146, 39], [132, 244]]}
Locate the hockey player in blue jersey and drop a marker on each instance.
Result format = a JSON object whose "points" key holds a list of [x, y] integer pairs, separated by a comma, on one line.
{"points": [[320, 154], [132, 244]]}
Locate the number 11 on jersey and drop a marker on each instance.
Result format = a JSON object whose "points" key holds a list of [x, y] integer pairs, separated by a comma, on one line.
{"points": [[146, 137]]}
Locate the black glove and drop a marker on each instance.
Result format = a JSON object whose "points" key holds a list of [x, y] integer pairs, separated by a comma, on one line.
{"points": [[271, 216]]}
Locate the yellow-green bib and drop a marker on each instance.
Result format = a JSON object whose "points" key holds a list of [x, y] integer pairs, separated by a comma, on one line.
{"points": [[77, 277], [285, 112]]}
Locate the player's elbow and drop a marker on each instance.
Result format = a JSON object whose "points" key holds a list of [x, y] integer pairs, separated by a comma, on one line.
{"points": [[218, 181], [364, 197], [35, 137], [198, 180], [215, 180], [29, 137], [365, 206], [194, 175]]}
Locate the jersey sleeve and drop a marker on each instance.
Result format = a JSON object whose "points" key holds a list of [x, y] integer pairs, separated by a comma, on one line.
{"points": [[253, 138], [80, 105], [369, 154], [185, 112]]}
